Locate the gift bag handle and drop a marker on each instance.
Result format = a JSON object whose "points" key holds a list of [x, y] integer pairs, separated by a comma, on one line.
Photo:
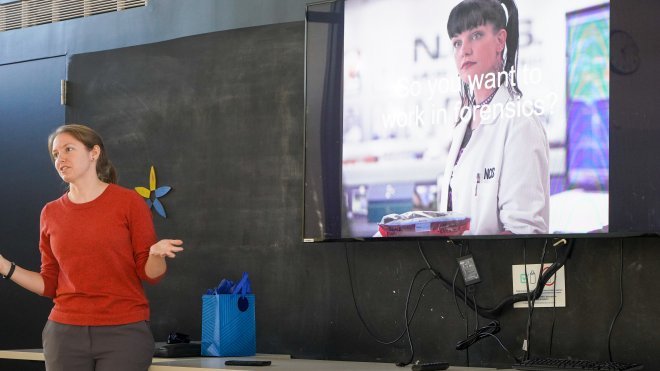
{"points": [[244, 287]]}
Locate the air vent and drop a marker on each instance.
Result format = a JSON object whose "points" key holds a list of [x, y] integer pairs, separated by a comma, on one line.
{"points": [[28, 13]]}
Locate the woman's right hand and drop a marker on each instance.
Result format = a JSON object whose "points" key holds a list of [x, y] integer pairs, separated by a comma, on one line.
{"points": [[29, 280]]}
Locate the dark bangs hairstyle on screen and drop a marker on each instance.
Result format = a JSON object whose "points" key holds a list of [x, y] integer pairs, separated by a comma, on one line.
{"points": [[469, 14]]}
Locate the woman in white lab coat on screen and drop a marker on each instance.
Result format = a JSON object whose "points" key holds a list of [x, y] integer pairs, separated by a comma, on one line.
{"points": [[497, 168]]}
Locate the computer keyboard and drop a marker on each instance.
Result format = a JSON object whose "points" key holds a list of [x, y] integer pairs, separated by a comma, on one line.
{"points": [[554, 364]]}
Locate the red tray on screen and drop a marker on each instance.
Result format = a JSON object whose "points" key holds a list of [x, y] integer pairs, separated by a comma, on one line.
{"points": [[424, 223]]}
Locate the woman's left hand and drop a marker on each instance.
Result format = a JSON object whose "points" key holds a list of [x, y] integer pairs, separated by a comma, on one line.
{"points": [[166, 248]]}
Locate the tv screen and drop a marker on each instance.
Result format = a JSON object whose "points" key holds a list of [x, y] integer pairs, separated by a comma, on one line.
{"points": [[438, 118]]}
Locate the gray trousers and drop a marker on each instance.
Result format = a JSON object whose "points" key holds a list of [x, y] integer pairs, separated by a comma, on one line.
{"points": [[98, 348]]}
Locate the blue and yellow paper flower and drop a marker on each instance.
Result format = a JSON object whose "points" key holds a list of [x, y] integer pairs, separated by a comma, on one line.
{"points": [[157, 193]]}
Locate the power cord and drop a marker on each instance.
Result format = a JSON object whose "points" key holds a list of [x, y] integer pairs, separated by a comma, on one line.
{"points": [[467, 331], [487, 331], [412, 348], [491, 313], [609, 335], [511, 355], [530, 296], [407, 320], [453, 282], [526, 342], [466, 318], [453, 286], [531, 302], [491, 328], [476, 314], [506, 303], [554, 309]]}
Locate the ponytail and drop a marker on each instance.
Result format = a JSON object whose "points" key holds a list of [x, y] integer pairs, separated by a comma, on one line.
{"points": [[105, 171], [512, 44]]}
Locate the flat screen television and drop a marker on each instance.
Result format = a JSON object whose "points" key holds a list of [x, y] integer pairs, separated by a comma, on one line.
{"points": [[422, 121]]}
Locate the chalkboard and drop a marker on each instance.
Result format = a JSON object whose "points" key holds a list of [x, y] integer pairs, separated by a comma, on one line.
{"points": [[220, 117]]}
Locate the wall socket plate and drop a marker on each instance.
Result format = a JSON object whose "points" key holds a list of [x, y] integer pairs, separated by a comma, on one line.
{"points": [[554, 293]]}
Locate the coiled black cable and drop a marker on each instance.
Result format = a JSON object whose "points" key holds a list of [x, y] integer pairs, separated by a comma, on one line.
{"points": [[496, 311]]}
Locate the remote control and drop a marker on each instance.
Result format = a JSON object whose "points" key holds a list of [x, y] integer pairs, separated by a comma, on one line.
{"points": [[235, 362], [430, 366]]}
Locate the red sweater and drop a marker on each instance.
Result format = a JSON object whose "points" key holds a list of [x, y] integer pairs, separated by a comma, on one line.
{"points": [[93, 256]]}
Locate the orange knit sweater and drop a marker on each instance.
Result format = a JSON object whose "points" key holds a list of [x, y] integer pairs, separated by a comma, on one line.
{"points": [[93, 256]]}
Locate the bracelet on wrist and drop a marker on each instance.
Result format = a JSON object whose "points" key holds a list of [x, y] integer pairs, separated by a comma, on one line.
{"points": [[11, 271]]}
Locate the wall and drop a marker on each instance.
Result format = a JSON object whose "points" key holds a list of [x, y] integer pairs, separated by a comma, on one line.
{"points": [[160, 20], [305, 304]]}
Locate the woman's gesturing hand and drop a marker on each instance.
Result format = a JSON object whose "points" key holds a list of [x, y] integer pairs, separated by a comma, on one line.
{"points": [[166, 248]]}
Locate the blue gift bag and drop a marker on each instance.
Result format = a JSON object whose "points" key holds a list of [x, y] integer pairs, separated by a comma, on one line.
{"points": [[228, 324]]}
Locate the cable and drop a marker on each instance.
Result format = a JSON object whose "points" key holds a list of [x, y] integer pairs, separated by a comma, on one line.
{"points": [[376, 337], [407, 320], [465, 299], [505, 348], [467, 331], [532, 303], [458, 308], [453, 290], [453, 283], [410, 343], [491, 328], [506, 303], [419, 246], [526, 345], [554, 309], [609, 335], [453, 286], [552, 269], [465, 318], [476, 313], [487, 331], [476, 316], [412, 348], [490, 313]]}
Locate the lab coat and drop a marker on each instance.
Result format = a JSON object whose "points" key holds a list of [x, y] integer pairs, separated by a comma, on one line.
{"points": [[502, 180]]}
